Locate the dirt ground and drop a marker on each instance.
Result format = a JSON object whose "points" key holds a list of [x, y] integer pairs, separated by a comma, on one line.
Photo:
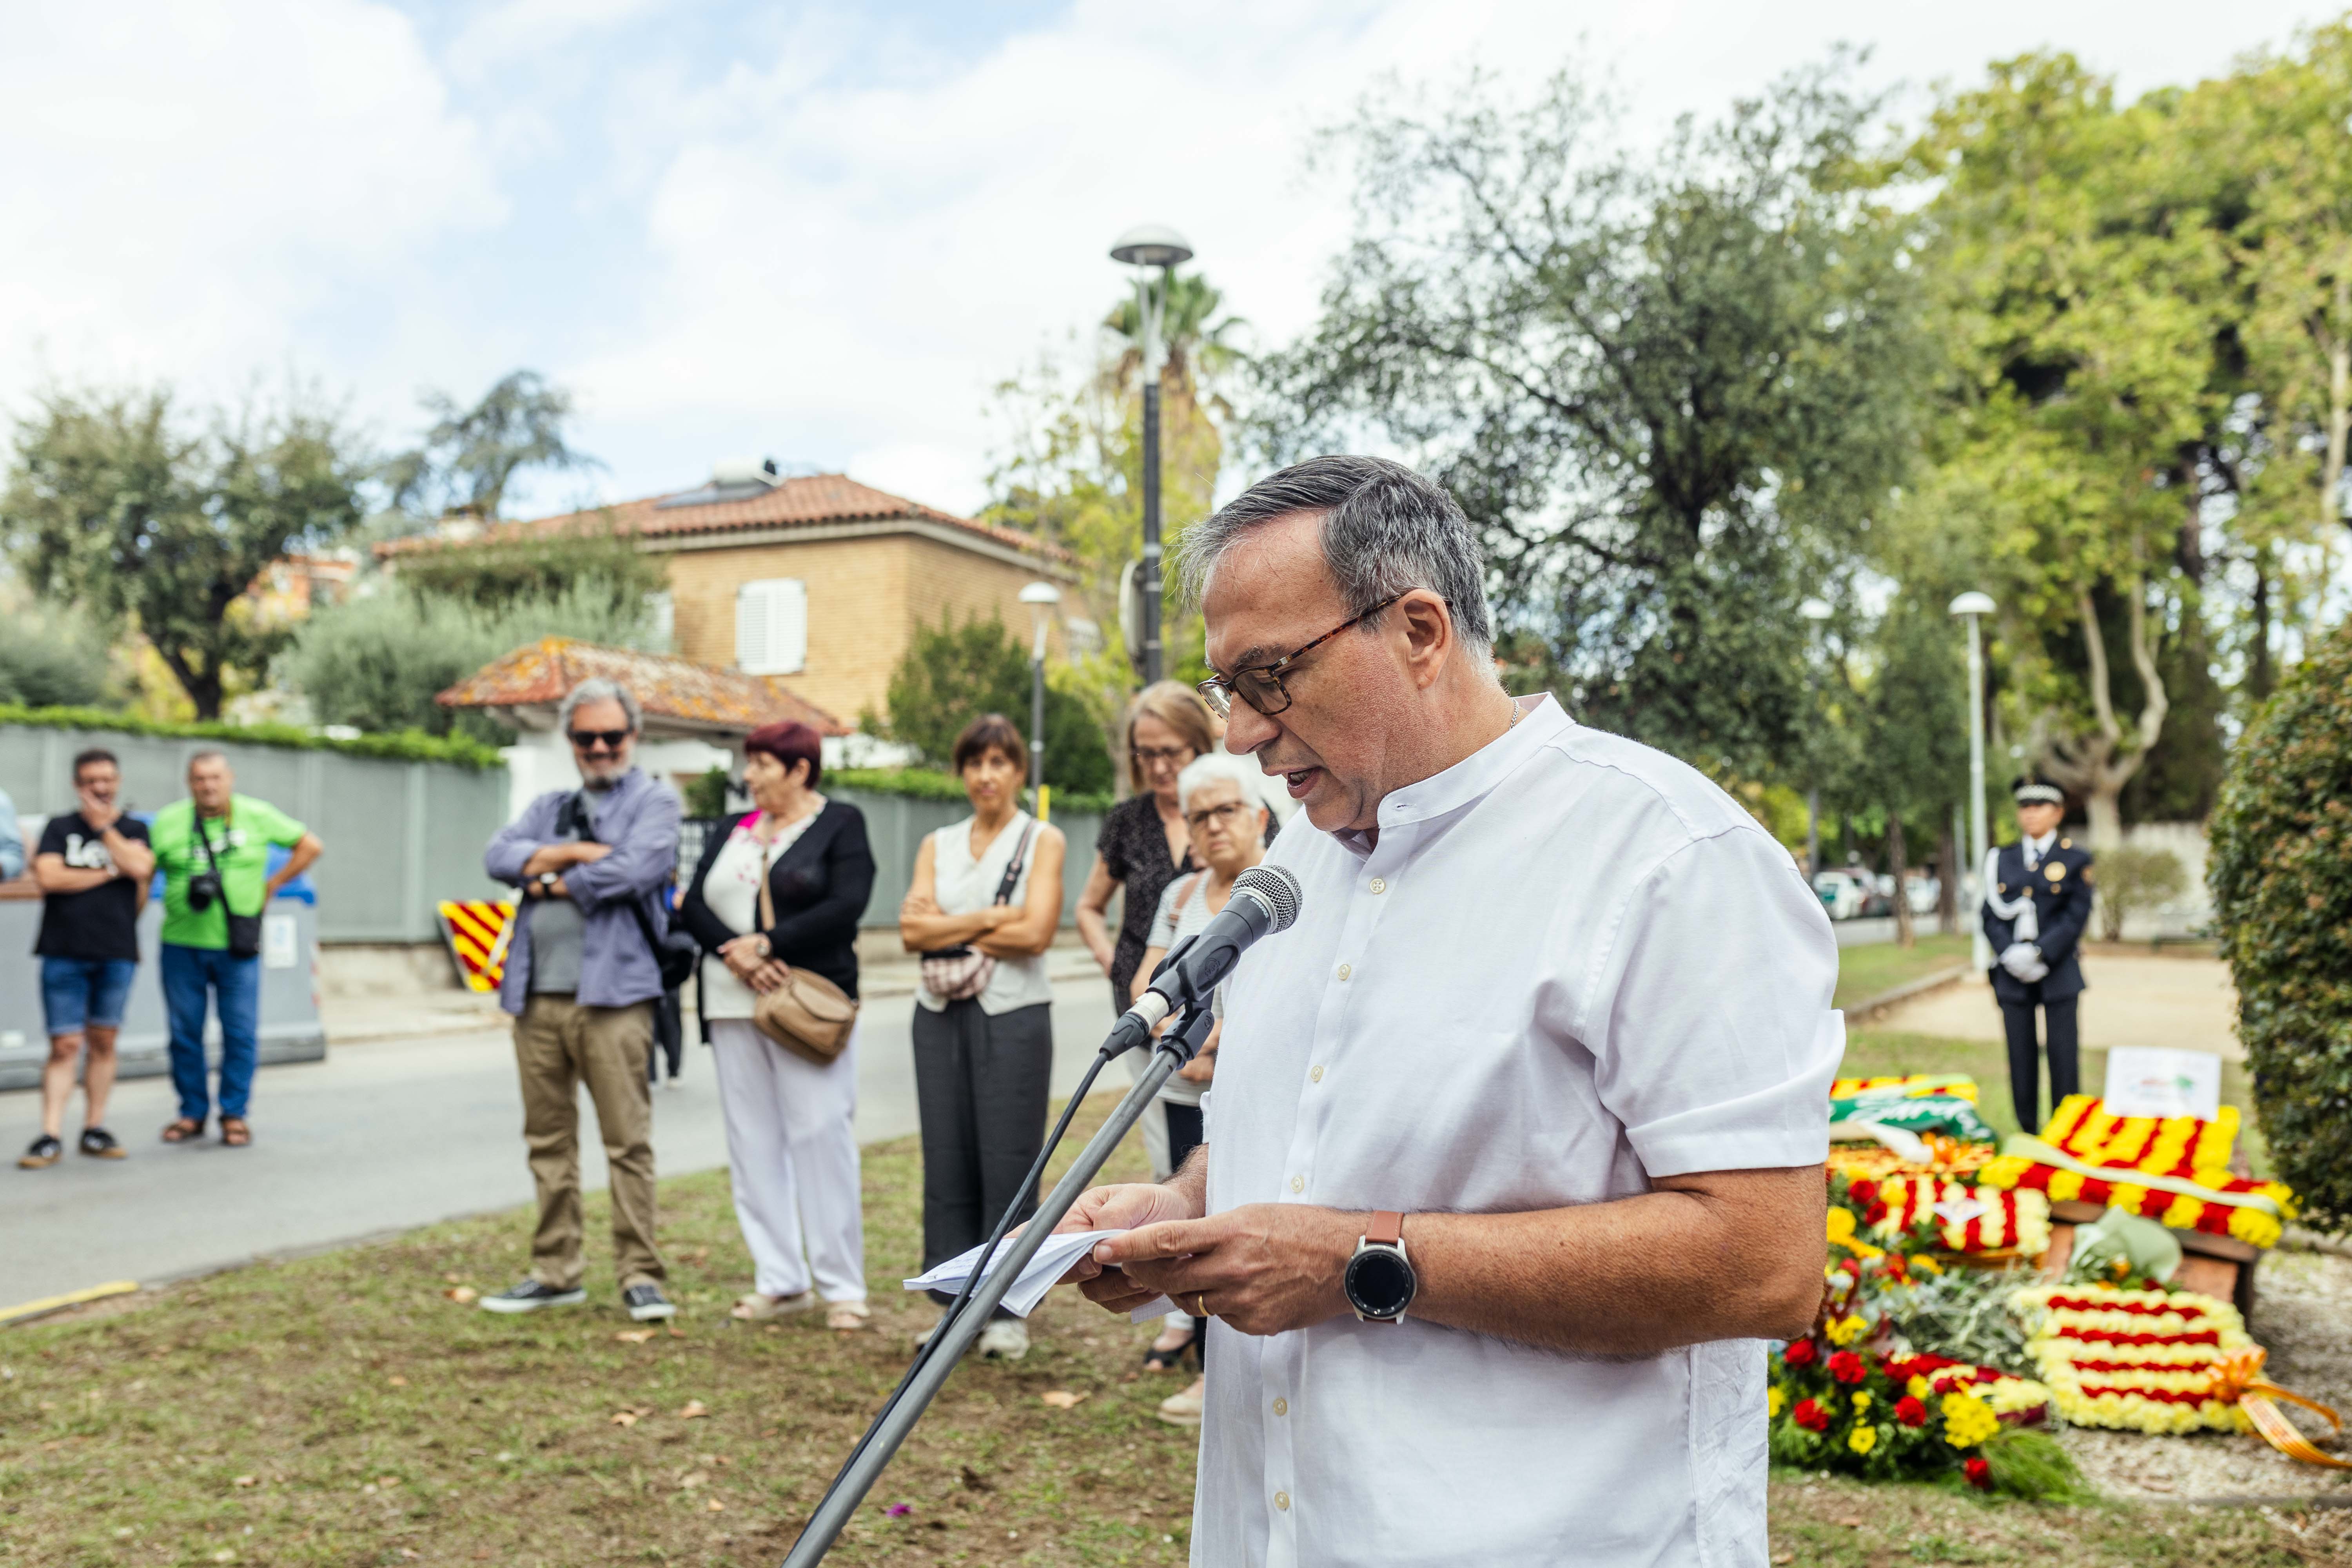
{"points": [[2135, 998]]}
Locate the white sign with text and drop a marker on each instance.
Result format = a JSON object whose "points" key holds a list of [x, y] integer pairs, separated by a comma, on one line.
{"points": [[2146, 1081]]}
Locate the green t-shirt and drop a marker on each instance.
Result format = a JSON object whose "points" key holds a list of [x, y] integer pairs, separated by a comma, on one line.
{"points": [[241, 843]]}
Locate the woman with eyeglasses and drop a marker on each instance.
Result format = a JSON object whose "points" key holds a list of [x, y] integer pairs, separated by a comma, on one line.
{"points": [[1219, 794]]}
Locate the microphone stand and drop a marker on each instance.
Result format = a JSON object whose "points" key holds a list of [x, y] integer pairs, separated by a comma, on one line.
{"points": [[964, 1322]]}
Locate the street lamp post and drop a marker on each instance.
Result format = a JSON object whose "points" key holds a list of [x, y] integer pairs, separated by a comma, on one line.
{"points": [[1041, 598], [1972, 607], [1816, 611], [1148, 246]]}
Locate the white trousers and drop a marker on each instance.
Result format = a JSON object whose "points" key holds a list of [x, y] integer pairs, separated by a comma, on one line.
{"points": [[793, 1153]]}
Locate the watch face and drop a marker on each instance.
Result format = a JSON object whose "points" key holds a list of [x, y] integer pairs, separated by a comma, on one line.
{"points": [[1379, 1283]]}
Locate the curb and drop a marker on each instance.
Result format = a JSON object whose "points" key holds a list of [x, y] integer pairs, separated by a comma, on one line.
{"points": [[1870, 1005], [25, 1313]]}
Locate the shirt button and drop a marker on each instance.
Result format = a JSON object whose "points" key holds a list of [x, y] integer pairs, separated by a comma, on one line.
{"points": [[1345, 971], [1317, 1074], [1282, 1407], [1297, 1184], [1379, 884], [1282, 1502]]}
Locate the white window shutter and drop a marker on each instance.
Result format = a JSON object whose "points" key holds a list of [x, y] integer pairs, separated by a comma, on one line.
{"points": [[772, 626]]}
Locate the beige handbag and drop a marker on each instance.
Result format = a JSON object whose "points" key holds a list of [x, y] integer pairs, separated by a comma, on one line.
{"points": [[808, 1014]]}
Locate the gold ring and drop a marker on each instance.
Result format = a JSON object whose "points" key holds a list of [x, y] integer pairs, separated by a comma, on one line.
{"points": [[1201, 1304]]}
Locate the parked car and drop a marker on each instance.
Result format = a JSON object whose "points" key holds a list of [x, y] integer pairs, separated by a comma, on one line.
{"points": [[1926, 893], [1843, 893]]}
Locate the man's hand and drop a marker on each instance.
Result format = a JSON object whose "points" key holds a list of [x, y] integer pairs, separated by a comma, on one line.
{"points": [[1263, 1268], [563, 856], [100, 814]]}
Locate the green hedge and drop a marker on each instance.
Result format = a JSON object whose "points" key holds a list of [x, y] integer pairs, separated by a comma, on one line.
{"points": [[930, 784], [407, 745], [2281, 869]]}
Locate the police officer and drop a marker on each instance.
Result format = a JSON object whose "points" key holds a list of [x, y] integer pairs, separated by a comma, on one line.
{"points": [[2037, 901]]}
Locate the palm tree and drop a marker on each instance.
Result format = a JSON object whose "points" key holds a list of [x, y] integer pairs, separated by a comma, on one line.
{"points": [[1197, 350]]}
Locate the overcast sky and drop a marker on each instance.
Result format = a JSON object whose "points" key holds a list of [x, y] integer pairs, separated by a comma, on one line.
{"points": [[816, 232]]}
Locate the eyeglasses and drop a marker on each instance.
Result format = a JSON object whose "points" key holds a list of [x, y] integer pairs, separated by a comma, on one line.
{"points": [[1222, 816], [1149, 756], [1261, 685], [586, 740]]}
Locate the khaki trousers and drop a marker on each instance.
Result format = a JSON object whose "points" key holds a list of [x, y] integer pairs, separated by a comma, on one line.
{"points": [[559, 1044]]}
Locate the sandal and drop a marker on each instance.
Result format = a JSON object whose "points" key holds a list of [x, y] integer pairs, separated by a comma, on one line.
{"points": [[847, 1317], [235, 1133], [1157, 1359], [183, 1129], [751, 1307]]}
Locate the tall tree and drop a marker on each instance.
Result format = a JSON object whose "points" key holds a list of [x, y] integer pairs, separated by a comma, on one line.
{"points": [[2088, 298], [111, 505], [469, 456], [1673, 390]]}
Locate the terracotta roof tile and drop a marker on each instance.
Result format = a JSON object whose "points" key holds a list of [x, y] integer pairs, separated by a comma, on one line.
{"points": [[807, 502], [664, 685]]}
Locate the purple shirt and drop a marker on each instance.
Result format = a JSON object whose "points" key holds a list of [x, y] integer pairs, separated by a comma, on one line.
{"points": [[638, 818]]}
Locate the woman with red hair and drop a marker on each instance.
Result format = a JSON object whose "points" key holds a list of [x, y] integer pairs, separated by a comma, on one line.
{"points": [[791, 1149]]}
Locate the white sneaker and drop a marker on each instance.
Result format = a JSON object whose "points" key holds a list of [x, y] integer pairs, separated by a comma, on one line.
{"points": [[1185, 1409], [1006, 1338]]}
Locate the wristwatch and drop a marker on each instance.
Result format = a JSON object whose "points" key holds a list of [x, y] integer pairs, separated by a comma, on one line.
{"points": [[1380, 1281]]}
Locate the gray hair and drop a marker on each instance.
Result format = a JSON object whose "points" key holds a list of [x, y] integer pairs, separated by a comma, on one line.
{"points": [[1210, 766], [208, 754], [1385, 529], [597, 690]]}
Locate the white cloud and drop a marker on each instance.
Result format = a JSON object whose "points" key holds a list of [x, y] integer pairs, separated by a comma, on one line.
{"points": [[183, 187]]}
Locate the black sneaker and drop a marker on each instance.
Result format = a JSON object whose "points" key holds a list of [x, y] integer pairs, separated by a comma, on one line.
{"points": [[645, 1304], [45, 1151], [530, 1296], [100, 1144]]}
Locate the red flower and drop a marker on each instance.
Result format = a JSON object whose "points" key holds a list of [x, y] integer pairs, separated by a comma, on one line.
{"points": [[1800, 1353], [1874, 1213], [1861, 1189], [1910, 1412], [1979, 1475], [1810, 1415], [1847, 1367]]}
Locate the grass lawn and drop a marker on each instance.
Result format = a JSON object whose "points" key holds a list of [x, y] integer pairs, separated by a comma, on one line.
{"points": [[1875, 968], [341, 1410]]}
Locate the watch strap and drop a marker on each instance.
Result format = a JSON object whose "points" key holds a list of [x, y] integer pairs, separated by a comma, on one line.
{"points": [[1386, 1229]]}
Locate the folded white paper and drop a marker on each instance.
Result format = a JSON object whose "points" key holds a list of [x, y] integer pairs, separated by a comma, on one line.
{"points": [[1052, 1261]]}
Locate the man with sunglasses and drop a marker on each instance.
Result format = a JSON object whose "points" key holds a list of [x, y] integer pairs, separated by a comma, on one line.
{"points": [[581, 981], [1516, 1138]]}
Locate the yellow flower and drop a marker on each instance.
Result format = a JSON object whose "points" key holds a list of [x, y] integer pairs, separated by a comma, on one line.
{"points": [[1775, 1399], [2129, 1198], [2065, 1186], [2253, 1226], [1861, 1399], [2184, 1212], [1967, 1420], [1864, 1440], [1917, 1388], [1847, 1330], [1922, 1263]]}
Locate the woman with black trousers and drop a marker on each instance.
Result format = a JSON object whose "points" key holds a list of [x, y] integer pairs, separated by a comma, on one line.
{"points": [[791, 1147]]}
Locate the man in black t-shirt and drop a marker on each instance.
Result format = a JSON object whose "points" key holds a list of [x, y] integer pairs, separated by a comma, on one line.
{"points": [[93, 866]]}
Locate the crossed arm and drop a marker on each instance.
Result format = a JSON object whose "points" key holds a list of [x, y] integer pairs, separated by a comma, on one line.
{"points": [[1710, 1256], [1002, 931]]}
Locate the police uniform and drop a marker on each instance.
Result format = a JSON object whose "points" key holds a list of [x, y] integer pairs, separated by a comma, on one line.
{"points": [[2055, 874]]}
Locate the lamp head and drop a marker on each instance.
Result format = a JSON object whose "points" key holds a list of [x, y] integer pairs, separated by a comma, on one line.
{"points": [[1973, 603], [1150, 245], [1041, 594]]}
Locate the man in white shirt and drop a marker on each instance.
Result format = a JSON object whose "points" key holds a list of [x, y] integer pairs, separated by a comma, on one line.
{"points": [[1552, 998]]}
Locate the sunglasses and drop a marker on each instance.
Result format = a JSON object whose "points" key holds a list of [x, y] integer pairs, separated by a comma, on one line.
{"points": [[1261, 685], [586, 740]]}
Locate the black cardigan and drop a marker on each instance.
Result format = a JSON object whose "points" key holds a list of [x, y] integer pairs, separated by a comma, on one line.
{"points": [[820, 886]]}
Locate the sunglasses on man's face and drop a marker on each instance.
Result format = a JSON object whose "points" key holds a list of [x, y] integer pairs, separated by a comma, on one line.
{"points": [[587, 740]]}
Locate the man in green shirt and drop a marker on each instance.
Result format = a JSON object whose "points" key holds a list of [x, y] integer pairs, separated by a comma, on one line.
{"points": [[213, 851]]}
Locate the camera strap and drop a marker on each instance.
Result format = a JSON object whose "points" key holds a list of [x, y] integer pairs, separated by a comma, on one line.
{"points": [[212, 860]]}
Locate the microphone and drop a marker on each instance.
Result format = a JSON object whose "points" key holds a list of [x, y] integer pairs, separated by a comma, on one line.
{"points": [[1265, 900]]}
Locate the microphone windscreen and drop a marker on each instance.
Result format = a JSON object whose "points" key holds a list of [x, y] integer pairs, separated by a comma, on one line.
{"points": [[1276, 889]]}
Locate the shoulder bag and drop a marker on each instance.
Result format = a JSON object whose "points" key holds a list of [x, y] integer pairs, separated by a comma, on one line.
{"points": [[808, 1014], [244, 931], [960, 973]]}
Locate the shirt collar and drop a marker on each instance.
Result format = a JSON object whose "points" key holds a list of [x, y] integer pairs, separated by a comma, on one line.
{"points": [[1473, 776], [2038, 847]]}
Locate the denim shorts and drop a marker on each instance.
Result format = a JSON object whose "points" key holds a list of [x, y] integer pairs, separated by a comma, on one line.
{"points": [[79, 991]]}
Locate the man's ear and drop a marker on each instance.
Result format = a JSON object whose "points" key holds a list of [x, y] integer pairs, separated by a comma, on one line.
{"points": [[1428, 634]]}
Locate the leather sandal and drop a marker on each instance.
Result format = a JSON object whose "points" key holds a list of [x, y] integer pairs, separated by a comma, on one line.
{"points": [[183, 1129], [235, 1133]]}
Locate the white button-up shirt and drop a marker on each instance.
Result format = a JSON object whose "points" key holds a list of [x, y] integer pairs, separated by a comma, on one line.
{"points": [[1570, 965]]}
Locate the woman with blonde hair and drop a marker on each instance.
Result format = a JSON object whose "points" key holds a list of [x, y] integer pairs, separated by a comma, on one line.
{"points": [[1142, 846]]}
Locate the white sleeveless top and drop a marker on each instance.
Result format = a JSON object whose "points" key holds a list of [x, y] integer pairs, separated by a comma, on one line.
{"points": [[966, 885]]}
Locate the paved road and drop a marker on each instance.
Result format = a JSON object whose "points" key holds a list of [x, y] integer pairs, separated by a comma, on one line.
{"points": [[2135, 999], [378, 1137]]}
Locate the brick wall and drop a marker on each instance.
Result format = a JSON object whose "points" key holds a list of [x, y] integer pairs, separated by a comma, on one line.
{"points": [[865, 597]]}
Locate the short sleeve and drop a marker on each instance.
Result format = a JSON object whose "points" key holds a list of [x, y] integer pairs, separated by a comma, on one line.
{"points": [[1710, 1025], [130, 827], [53, 837], [277, 826], [1163, 920]]}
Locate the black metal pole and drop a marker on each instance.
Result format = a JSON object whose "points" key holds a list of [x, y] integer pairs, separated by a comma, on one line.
{"points": [[1184, 1037], [1148, 589]]}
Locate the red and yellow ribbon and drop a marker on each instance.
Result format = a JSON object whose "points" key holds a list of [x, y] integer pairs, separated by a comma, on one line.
{"points": [[2238, 1376]]}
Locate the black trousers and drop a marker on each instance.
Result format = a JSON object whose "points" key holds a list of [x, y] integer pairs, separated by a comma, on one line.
{"points": [[980, 1088], [2025, 1054], [1184, 1129]]}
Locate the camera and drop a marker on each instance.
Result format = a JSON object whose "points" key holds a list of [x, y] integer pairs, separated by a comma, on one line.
{"points": [[204, 890]]}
